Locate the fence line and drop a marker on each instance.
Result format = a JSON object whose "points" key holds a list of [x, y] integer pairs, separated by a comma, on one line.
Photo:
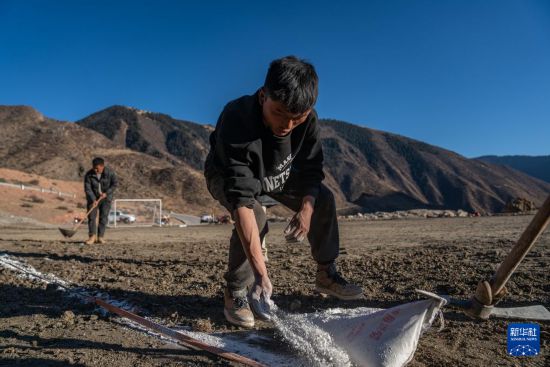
{"points": [[38, 188]]}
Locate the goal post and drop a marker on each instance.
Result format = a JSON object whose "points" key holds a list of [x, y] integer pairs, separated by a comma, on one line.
{"points": [[136, 212]]}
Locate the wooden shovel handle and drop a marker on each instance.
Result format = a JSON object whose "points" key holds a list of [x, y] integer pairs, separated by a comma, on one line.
{"points": [[184, 339], [538, 224], [86, 216]]}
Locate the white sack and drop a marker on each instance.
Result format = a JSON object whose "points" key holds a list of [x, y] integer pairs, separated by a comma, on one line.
{"points": [[384, 338]]}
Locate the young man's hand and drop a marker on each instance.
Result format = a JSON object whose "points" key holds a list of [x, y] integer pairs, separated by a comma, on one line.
{"points": [[260, 298], [262, 287], [299, 225], [260, 293]]}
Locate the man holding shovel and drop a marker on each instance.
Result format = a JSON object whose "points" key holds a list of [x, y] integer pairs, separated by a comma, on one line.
{"points": [[269, 143], [99, 185]]}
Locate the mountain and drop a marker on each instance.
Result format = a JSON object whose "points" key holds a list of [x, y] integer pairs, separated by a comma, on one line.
{"points": [[536, 166], [63, 150], [376, 170], [368, 170], [155, 134], [158, 156]]}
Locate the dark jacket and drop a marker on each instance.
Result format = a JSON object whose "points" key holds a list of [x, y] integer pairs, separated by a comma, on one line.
{"points": [[247, 160], [108, 184]]}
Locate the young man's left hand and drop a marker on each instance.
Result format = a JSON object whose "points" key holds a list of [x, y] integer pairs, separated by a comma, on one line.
{"points": [[299, 225]]}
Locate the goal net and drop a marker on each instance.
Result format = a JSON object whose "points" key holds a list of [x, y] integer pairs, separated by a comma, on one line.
{"points": [[136, 212]]}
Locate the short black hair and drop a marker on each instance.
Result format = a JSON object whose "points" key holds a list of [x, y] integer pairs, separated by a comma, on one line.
{"points": [[293, 82], [98, 161]]}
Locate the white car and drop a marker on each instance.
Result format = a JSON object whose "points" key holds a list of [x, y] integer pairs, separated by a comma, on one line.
{"points": [[121, 217], [207, 218]]}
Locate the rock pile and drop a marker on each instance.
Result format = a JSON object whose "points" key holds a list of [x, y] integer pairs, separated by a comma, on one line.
{"points": [[404, 214], [519, 205]]}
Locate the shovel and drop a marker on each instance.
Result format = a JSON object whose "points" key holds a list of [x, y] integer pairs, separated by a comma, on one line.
{"points": [[490, 292], [68, 233]]}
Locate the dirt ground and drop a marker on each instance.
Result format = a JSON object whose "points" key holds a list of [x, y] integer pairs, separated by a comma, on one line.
{"points": [[175, 275], [45, 207]]}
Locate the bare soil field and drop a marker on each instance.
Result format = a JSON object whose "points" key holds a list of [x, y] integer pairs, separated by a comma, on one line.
{"points": [[44, 207], [175, 275]]}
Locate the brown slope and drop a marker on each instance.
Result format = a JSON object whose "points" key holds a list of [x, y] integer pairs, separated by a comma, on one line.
{"points": [[156, 134], [382, 171], [367, 169], [44, 207], [62, 150]]}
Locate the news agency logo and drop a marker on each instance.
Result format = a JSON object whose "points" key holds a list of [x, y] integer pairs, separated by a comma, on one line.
{"points": [[523, 340]]}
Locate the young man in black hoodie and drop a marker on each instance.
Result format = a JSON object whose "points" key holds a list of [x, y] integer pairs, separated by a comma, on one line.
{"points": [[269, 143]]}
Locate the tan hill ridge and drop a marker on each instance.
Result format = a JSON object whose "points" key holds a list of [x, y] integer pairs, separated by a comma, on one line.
{"points": [[160, 156]]}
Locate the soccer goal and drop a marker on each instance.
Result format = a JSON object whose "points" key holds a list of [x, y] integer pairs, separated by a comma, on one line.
{"points": [[136, 212]]}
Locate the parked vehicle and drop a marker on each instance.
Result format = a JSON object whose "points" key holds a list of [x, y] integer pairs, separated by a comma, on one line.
{"points": [[220, 219], [121, 217], [207, 218]]}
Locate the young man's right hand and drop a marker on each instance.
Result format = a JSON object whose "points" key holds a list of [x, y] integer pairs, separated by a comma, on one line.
{"points": [[262, 287], [260, 298], [260, 293]]}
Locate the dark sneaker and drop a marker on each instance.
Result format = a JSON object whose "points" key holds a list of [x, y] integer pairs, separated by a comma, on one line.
{"points": [[330, 282], [236, 309]]}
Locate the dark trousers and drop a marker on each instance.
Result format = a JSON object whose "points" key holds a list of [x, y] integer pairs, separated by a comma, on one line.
{"points": [[323, 236], [103, 208]]}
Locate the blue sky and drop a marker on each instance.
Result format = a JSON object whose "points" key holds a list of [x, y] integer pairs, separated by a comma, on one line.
{"points": [[469, 76]]}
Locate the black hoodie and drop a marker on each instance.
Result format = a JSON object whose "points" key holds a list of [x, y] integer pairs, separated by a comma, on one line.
{"points": [[248, 160]]}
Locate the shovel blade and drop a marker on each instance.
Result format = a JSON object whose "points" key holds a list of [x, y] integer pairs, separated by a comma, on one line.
{"points": [[67, 233]]}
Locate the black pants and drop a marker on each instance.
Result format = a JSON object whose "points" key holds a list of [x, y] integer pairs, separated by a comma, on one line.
{"points": [[104, 207], [323, 235]]}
